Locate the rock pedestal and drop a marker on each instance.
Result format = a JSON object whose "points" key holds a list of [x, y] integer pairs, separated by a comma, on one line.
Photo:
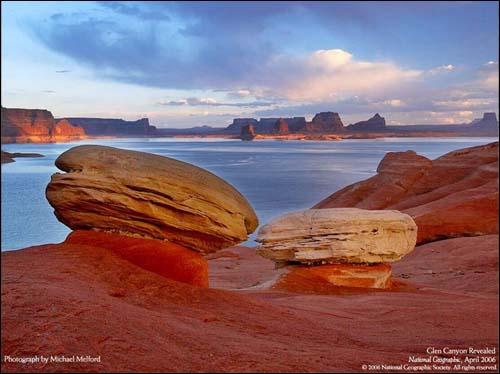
{"points": [[155, 212], [303, 278], [160, 257], [346, 247]]}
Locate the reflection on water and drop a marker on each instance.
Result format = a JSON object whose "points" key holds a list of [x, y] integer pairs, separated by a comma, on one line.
{"points": [[275, 176]]}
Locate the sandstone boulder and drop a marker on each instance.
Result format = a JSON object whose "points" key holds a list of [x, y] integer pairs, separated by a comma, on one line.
{"points": [[140, 194], [318, 236]]}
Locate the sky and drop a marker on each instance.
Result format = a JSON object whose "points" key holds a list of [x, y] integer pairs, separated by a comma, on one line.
{"points": [[184, 64]]}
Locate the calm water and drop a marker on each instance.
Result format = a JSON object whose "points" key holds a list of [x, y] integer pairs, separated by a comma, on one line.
{"points": [[276, 177]]}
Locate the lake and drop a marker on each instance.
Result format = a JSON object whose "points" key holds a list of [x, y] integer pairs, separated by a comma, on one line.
{"points": [[275, 176]]}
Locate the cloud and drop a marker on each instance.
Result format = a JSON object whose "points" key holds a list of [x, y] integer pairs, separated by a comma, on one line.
{"points": [[441, 69], [63, 71], [269, 64], [335, 73], [194, 101]]}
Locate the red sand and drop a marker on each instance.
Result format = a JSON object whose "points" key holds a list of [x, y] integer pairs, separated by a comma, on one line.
{"points": [[71, 299]]}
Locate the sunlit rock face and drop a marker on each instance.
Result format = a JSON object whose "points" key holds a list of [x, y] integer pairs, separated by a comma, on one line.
{"points": [[36, 126], [150, 196]]}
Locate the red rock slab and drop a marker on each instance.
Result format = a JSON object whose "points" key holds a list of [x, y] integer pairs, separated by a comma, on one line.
{"points": [[240, 268], [71, 299], [167, 259], [457, 265], [313, 278]]}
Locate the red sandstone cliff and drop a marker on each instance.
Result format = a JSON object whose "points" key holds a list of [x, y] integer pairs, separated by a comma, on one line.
{"points": [[36, 126]]}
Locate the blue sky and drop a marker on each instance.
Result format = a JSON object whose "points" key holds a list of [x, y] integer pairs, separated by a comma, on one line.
{"points": [[187, 63]]}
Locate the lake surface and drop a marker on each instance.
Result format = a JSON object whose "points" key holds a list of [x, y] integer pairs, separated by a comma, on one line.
{"points": [[275, 176]]}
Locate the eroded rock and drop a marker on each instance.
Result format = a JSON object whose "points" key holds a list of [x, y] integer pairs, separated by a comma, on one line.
{"points": [[167, 259], [140, 194], [315, 278], [349, 235]]}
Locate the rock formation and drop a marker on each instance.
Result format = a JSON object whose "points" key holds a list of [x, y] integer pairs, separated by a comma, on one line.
{"points": [[238, 123], [454, 195], [340, 275], [376, 123], [349, 235], [146, 195], [488, 122], [265, 125], [346, 239], [167, 259], [9, 157], [36, 126], [326, 122], [247, 132], [281, 127], [113, 126]]}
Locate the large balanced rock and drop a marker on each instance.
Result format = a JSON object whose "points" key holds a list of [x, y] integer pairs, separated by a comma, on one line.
{"points": [[452, 196], [318, 236], [140, 194]]}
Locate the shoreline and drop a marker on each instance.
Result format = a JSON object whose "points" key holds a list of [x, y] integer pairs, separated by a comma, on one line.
{"points": [[261, 137]]}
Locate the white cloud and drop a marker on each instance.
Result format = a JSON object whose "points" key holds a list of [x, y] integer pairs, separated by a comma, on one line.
{"points": [[395, 102], [334, 73], [441, 69]]}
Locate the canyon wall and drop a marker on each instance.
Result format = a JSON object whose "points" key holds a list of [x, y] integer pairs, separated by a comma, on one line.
{"points": [[36, 126], [113, 126]]}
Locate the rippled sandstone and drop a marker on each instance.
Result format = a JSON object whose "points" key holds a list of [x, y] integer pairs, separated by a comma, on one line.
{"points": [[140, 194]]}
